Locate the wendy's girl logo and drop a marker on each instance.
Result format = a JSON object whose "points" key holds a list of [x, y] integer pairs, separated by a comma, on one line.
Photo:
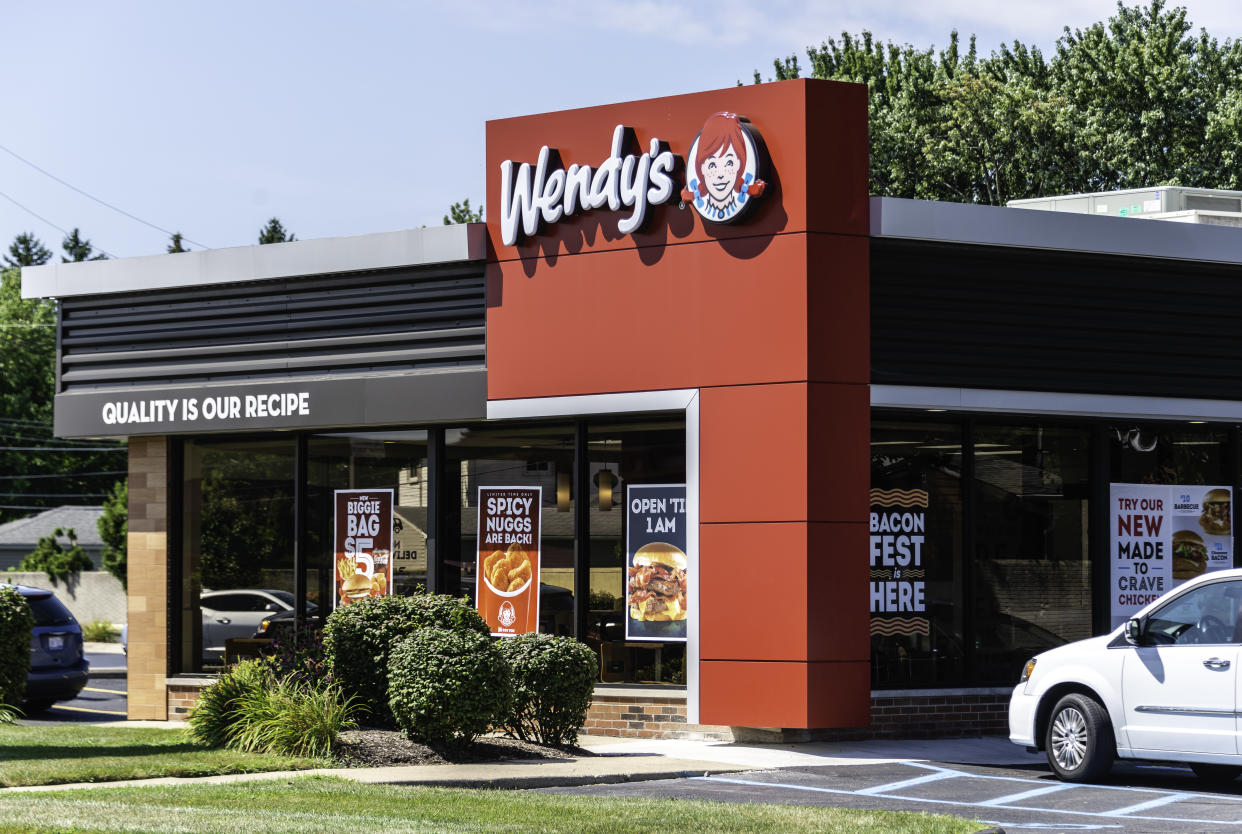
{"points": [[723, 168]]}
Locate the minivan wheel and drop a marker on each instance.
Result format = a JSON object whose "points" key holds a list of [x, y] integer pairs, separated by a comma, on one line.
{"points": [[1216, 773], [1079, 740]]}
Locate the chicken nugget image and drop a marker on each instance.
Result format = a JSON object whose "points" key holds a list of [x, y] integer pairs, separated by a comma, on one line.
{"points": [[521, 573]]}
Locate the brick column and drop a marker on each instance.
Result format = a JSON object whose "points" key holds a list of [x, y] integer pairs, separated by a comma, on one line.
{"points": [[148, 577]]}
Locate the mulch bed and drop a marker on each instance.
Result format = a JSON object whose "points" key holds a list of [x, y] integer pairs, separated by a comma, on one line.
{"points": [[370, 747]]}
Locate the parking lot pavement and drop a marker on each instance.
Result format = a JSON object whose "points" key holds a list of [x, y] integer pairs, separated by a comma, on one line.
{"points": [[103, 699], [1137, 799]]}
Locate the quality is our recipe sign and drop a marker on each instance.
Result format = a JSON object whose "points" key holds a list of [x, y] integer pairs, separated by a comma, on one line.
{"points": [[507, 570], [1162, 536]]}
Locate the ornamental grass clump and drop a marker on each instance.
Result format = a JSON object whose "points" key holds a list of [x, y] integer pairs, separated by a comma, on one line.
{"points": [[213, 720], [16, 631], [292, 718], [553, 681], [358, 639], [447, 687]]}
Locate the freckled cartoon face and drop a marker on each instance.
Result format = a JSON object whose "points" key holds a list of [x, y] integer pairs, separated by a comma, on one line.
{"points": [[719, 175]]}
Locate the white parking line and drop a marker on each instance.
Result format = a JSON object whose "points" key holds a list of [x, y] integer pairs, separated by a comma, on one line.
{"points": [[1151, 803], [885, 791], [910, 783], [1019, 797]]}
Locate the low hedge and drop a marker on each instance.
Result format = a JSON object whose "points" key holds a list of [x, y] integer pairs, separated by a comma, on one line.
{"points": [[553, 680], [446, 687], [359, 637], [16, 632]]}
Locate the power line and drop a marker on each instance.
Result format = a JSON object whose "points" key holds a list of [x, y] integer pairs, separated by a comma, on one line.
{"points": [[96, 199], [41, 217]]}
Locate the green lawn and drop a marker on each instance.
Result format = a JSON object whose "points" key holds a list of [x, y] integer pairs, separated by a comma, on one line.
{"points": [[320, 804], [56, 754]]}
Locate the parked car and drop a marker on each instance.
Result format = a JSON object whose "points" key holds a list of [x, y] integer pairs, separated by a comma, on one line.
{"points": [[1163, 686], [238, 613], [58, 668]]}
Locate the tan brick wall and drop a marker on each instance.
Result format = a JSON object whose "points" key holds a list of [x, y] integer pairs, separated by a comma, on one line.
{"points": [[148, 577]]}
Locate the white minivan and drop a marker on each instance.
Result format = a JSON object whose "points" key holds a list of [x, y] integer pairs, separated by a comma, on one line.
{"points": [[1163, 686]]}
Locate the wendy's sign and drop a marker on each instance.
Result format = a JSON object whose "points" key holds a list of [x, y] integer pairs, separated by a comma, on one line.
{"points": [[723, 173]]}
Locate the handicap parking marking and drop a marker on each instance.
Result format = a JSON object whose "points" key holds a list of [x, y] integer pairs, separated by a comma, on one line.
{"points": [[1151, 803], [1025, 795], [910, 783], [1134, 811]]}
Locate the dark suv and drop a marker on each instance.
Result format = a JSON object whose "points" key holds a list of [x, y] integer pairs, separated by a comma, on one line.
{"points": [[58, 668]]}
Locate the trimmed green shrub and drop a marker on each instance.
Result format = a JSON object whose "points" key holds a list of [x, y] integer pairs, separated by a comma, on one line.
{"points": [[214, 718], [55, 560], [553, 680], [292, 718], [359, 637], [445, 687], [16, 631]]}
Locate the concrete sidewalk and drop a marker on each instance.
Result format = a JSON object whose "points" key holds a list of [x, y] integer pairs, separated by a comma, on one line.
{"points": [[632, 760]]}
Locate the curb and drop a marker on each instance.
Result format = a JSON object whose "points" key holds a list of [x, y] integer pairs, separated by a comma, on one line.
{"points": [[534, 782], [107, 672]]}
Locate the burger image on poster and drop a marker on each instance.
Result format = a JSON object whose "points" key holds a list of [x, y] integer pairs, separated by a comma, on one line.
{"points": [[1190, 556], [355, 587], [1217, 509]]}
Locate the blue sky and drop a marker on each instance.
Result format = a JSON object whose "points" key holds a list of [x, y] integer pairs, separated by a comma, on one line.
{"points": [[209, 118]]}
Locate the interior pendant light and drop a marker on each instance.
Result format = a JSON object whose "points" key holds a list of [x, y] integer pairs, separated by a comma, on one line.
{"points": [[604, 480], [562, 492]]}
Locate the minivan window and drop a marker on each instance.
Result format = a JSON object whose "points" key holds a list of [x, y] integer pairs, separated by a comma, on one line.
{"points": [[48, 611]]}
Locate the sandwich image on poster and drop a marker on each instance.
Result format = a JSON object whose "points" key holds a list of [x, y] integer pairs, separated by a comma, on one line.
{"points": [[362, 532], [656, 564], [507, 570]]}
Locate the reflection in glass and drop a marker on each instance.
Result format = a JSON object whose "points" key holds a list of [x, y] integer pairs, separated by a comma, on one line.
{"points": [[512, 456], [621, 455], [1032, 587], [1156, 454], [237, 537], [395, 460]]}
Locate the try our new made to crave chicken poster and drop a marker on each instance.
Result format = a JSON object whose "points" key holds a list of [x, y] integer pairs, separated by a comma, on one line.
{"points": [[656, 563], [507, 571], [362, 532], [1162, 536]]}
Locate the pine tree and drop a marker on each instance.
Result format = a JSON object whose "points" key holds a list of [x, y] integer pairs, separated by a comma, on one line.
{"points": [[78, 248], [27, 250], [175, 246], [462, 213], [274, 232]]}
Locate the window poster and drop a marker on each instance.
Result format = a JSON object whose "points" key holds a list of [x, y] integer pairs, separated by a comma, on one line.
{"points": [[1163, 535], [507, 572], [656, 563], [898, 576], [362, 536]]}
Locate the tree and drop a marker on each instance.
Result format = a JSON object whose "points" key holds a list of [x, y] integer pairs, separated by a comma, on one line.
{"points": [[1134, 101], [274, 232], [114, 529], [175, 246], [27, 250], [39, 470], [79, 249], [56, 561], [462, 213]]}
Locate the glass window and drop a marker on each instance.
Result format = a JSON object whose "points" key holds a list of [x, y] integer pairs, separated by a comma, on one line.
{"points": [[395, 460], [541, 455], [916, 552], [1207, 614], [1032, 588], [237, 532], [1156, 454], [622, 455]]}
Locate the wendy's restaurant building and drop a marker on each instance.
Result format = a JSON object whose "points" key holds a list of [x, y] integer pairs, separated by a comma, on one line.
{"points": [[888, 449]]}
